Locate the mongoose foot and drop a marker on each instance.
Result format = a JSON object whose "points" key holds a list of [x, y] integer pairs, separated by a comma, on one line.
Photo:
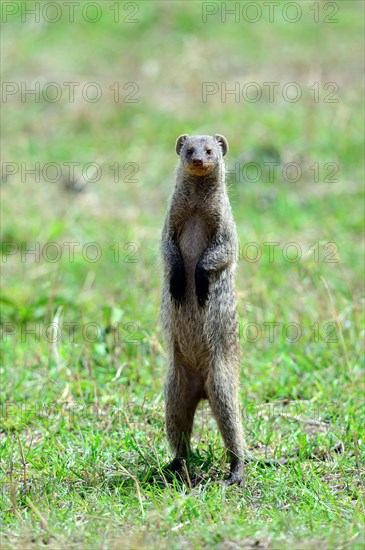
{"points": [[233, 479], [175, 469], [177, 284], [236, 474], [176, 465], [202, 284]]}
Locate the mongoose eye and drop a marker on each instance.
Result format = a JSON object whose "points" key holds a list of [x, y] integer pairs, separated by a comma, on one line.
{"points": [[209, 151], [190, 151]]}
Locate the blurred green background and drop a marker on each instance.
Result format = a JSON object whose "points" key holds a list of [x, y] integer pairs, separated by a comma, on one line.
{"points": [[150, 63]]}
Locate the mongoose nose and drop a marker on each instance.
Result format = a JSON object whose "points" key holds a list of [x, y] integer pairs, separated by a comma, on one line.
{"points": [[197, 162]]}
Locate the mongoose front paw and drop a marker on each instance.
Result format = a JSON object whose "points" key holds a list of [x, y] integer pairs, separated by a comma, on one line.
{"points": [[177, 284], [201, 284]]}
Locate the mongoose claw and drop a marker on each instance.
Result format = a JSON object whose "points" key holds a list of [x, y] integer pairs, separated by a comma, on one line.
{"points": [[201, 284]]}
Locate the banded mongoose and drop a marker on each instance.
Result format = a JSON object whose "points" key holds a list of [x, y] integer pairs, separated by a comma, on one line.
{"points": [[198, 308]]}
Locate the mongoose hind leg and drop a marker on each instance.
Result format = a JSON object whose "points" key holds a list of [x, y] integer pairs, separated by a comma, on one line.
{"points": [[222, 390], [181, 404]]}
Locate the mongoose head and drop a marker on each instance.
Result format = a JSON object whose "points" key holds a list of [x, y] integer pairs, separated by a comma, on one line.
{"points": [[201, 155]]}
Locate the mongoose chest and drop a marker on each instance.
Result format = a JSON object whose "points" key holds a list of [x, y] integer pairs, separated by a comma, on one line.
{"points": [[194, 239]]}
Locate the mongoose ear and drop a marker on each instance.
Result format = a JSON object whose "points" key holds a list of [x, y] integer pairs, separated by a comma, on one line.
{"points": [[180, 142], [222, 142]]}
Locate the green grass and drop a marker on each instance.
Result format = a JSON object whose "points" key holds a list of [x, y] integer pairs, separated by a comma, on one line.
{"points": [[82, 425]]}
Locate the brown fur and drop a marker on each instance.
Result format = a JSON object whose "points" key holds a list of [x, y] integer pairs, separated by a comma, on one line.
{"points": [[198, 308]]}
